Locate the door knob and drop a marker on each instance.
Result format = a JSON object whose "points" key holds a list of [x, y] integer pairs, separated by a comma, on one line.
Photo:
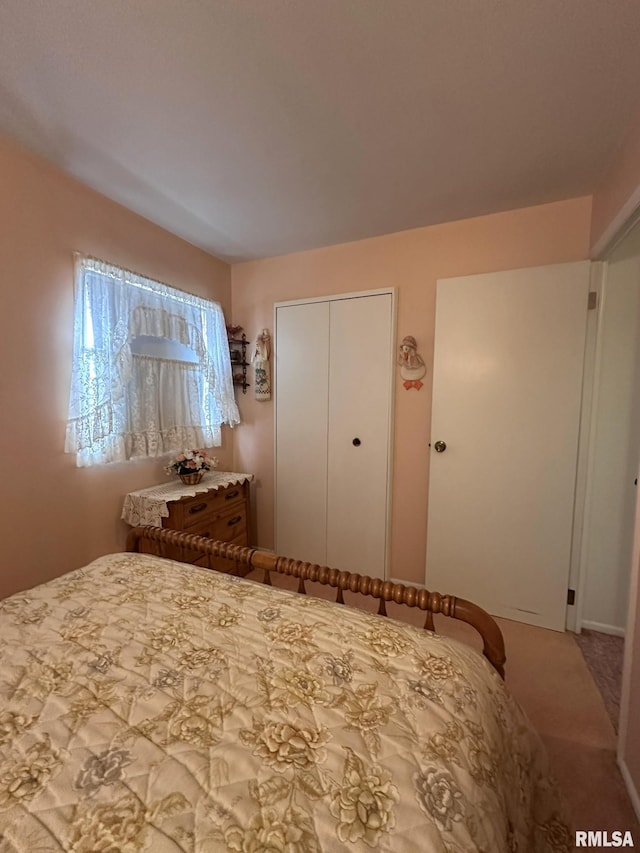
{"points": [[356, 442], [440, 446]]}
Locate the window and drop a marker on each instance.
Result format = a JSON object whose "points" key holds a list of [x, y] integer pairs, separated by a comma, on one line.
{"points": [[151, 370]]}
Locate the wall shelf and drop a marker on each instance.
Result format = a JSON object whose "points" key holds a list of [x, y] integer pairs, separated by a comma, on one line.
{"points": [[239, 363]]}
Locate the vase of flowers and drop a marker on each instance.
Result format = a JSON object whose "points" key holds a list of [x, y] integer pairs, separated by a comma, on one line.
{"points": [[190, 466]]}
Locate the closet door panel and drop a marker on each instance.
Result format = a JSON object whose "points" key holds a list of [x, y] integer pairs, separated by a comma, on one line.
{"points": [[360, 364], [302, 376]]}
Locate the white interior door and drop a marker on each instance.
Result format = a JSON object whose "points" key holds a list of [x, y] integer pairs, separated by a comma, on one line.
{"points": [[508, 365], [302, 399], [360, 381]]}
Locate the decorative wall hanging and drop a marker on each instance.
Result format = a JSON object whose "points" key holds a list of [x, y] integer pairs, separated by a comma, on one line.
{"points": [[412, 366], [238, 356], [262, 370]]}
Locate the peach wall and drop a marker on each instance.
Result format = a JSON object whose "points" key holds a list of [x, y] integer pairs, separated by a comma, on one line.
{"points": [[58, 516], [620, 183], [412, 261]]}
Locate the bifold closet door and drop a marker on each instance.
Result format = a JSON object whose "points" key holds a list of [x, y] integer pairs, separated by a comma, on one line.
{"points": [[302, 399], [333, 397], [360, 364]]}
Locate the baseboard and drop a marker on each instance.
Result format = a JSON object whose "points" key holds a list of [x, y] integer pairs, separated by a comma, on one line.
{"points": [[602, 628], [634, 796], [408, 583], [590, 626]]}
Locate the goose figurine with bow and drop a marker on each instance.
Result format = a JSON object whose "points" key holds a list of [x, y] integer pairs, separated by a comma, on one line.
{"points": [[412, 366]]}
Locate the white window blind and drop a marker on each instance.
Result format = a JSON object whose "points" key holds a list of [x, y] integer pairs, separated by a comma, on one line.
{"points": [[151, 371]]}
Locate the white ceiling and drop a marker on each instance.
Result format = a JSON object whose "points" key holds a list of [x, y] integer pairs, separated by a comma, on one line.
{"points": [[259, 127]]}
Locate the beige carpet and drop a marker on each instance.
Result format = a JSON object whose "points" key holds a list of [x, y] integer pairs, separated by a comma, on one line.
{"points": [[547, 674], [604, 655]]}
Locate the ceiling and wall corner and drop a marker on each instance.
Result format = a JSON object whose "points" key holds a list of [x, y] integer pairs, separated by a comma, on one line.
{"points": [[617, 197], [256, 129]]}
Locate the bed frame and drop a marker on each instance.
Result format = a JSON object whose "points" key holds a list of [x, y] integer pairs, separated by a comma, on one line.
{"points": [[238, 560]]}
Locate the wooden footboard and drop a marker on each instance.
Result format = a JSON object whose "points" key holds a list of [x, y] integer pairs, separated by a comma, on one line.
{"points": [[236, 559]]}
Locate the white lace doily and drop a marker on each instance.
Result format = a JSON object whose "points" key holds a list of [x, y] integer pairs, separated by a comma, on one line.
{"points": [[149, 506]]}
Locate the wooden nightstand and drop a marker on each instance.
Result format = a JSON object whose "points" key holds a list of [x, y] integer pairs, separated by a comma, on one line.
{"points": [[218, 507]]}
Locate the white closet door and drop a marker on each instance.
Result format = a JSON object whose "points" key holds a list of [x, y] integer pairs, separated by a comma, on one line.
{"points": [[360, 365], [302, 375]]}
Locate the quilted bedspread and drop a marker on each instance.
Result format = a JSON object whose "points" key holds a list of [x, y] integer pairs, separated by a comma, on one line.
{"points": [[149, 705]]}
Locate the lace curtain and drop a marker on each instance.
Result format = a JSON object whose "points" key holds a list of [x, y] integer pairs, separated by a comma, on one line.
{"points": [[124, 404]]}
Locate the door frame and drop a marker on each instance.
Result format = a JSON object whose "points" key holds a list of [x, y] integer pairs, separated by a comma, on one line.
{"points": [[391, 291], [586, 451], [587, 459], [625, 220]]}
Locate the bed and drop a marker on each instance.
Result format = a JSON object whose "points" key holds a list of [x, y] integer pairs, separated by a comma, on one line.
{"points": [[150, 704]]}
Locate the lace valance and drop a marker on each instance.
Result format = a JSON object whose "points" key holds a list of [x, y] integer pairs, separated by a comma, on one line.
{"points": [[114, 308]]}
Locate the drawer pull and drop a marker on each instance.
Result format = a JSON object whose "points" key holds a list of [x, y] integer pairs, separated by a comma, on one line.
{"points": [[197, 508], [233, 494], [234, 520]]}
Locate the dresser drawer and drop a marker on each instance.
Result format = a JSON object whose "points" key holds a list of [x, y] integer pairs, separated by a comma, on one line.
{"points": [[191, 513], [230, 527], [226, 526], [222, 512]]}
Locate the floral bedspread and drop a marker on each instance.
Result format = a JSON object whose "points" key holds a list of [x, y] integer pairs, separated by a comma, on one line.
{"points": [[148, 705]]}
